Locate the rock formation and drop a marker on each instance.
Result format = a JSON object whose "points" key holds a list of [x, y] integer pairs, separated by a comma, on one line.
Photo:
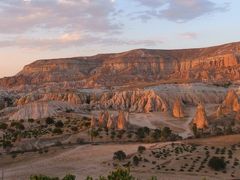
{"points": [[102, 119], [111, 124], [237, 116], [220, 111], [231, 102], [142, 65], [177, 110], [93, 122], [133, 101], [121, 121], [200, 118], [38, 110]]}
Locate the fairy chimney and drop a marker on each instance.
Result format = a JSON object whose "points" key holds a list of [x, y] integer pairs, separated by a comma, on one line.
{"points": [[177, 110], [200, 118]]}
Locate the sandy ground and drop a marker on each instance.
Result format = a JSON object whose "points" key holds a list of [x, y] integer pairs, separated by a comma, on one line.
{"points": [[80, 160], [92, 160], [160, 119]]}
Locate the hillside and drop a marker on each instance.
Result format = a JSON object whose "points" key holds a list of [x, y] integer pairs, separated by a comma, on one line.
{"points": [[213, 64]]}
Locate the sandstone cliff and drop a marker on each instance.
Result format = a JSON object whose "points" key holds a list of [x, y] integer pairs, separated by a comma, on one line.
{"points": [[219, 63]]}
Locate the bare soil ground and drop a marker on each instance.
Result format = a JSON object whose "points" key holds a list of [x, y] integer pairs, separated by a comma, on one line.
{"points": [[96, 160]]}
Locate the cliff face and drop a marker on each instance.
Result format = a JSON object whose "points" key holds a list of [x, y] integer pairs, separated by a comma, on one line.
{"points": [[203, 64]]}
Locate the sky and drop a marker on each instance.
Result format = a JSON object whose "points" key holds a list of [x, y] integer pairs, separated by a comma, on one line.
{"points": [[40, 29]]}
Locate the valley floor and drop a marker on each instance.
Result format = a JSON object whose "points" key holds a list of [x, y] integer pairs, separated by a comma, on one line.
{"points": [[95, 160]]}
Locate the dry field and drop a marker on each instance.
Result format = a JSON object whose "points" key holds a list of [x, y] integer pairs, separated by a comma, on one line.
{"points": [[181, 160]]}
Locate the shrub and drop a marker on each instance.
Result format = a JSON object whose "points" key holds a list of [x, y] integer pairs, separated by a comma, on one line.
{"points": [[135, 161], [166, 132], [146, 130], [3, 126], [57, 131], [119, 155], [74, 128], [140, 133], [120, 174], [59, 124], [141, 149], [217, 163], [156, 134], [49, 120], [42, 177], [69, 177], [30, 120]]}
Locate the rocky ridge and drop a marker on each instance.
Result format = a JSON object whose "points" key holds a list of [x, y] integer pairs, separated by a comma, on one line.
{"points": [[218, 63]]}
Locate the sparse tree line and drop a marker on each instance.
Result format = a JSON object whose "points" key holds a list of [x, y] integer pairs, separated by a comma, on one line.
{"points": [[27, 129], [141, 134]]}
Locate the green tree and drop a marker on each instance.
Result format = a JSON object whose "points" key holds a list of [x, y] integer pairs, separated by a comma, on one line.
{"points": [[135, 161], [119, 155], [120, 174], [140, 133], [156, 135], [195, 130], [49, 120], [217, 163], [42, 177], [69, 177], [59, 124], [146, 130], [166, 132], [3, 126], [141, 149]]}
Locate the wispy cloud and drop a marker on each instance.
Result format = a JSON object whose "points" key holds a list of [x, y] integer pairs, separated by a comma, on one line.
{"points": [[19, 16], [69, 40], [189, 35], [177, 10]]}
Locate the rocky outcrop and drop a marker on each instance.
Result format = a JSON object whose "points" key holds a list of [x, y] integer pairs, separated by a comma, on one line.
{"points": [[122, 122], [229, 105], [70, 97], [102, 119], [200, 118], [177, 110], [217, 63], [38, 110], [111, 123], [133, 101], [231, 102]]}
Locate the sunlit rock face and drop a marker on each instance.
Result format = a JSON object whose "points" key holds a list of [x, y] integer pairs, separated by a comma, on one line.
{"points": [[122, 122], [38, 110], [229, 105], [200, 118], [111, 123], [133, 101], [102, 119], [231, 102], [177, 110], [219, 63]]}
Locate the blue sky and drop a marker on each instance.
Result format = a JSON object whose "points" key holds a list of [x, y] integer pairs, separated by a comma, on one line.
{"points": [[38, 29]]}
